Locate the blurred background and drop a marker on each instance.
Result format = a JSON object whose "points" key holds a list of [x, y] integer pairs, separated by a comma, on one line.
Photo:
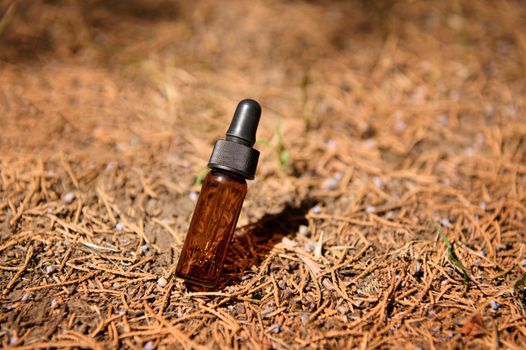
{"points": [[381, 119]]}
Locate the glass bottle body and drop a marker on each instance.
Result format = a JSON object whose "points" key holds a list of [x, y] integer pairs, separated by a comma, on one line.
{"points": [[212, 227]]}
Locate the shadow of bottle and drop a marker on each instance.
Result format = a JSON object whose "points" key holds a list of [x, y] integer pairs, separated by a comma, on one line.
{"points": [[249, 249]]}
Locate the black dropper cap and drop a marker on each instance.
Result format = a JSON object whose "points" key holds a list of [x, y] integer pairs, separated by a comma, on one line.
{"points": [[235, 153], [244, 123]]}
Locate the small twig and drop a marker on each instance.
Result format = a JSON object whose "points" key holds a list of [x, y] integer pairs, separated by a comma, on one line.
{"points": [[17, 275]]}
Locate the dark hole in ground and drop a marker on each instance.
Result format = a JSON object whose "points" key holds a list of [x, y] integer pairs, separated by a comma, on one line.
{"points": [[249, 249]]}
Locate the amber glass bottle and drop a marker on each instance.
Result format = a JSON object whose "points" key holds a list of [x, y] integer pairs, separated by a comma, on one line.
{"points": [[224, 188]]}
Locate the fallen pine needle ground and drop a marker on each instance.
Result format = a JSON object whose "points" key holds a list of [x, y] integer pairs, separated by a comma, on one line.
{"points": [[389, 206]]}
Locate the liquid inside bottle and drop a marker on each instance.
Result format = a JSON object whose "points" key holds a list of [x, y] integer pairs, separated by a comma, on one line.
{"points": [[212, 227]]}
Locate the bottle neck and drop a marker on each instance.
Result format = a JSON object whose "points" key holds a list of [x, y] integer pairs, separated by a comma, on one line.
{"points": [[238, 140], [229, 174]]}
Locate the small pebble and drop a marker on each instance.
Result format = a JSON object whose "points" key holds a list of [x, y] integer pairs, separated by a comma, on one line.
{"points": [[378, 181], [166, 221], [489, 111], [370, 209], [275, 329], [316, 209], [310, 246], [193, 196], [304, 318], [144, 249], [494, 305], [13, 340], [53, 303], [49, 211], [287, 294], [25, 297], [282, 284], [444, 222], [49, 269], [523, 262], [240, 309], [304, 230], [442, 119], [343, 309], [149, 345], [390, 215], [69, 197], [332, 182], [331, 144], [110, 165], [400, 125], [162, 282], [370, 143], [119, 226], [483, 205]]}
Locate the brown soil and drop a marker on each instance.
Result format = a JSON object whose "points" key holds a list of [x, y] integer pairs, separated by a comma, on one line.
{"points": [[382, 120]]}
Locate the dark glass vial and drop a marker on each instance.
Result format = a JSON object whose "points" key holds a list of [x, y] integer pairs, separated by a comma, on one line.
{"points": [[219, 204], [212, 227]]}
